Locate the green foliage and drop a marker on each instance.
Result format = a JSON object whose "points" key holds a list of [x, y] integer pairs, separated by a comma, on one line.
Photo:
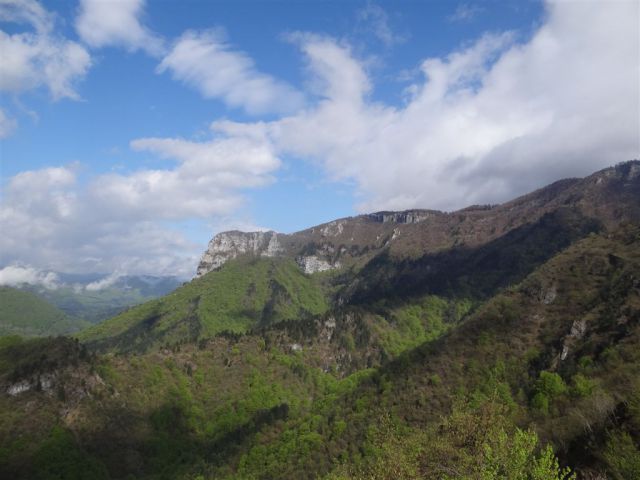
{"points": [[582, 386], [622, 456], [60, 458], [452, 393], [514, 458], [548, 387], [419, 321], [540, 402], [24, 313], [243, 294]]}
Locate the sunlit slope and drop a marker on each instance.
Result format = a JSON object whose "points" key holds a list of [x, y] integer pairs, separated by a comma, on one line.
{"points": [[245, 293]]}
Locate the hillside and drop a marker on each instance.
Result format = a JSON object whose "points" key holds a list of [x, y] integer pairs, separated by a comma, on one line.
{"points": [[505, 349], [610, 196], [248, 292], [24, 313], [555, 355], [466, 255], [96, 304]]}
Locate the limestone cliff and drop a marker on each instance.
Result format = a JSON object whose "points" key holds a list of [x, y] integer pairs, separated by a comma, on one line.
{"points": [[227, 245]]}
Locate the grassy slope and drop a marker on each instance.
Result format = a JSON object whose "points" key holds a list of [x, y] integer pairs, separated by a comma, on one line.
{"points": [[24, 313], [243, 294]]}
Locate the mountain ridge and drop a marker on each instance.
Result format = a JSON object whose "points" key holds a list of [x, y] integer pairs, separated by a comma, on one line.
{"points": [[352, 240], [485, 349]]}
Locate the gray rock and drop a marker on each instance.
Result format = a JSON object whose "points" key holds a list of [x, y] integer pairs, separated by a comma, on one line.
{"points": [[228, 245]]}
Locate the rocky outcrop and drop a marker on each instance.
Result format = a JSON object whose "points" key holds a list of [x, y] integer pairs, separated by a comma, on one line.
{"points": [[408, 216], [227, 245], [312, 264]]}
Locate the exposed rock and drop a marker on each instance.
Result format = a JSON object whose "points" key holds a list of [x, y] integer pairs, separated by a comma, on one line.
{"points": [[332, 229], [550, 295], [228, 245], [43, 382], [312, 264], [578, 329], [408, 216], [19, 387]]}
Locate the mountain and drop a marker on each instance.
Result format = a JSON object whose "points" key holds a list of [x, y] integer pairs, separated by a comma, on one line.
{"points": [[468, 254], [248, 292], [494, 342], [609, 196], [24, 313], [96, 297]]}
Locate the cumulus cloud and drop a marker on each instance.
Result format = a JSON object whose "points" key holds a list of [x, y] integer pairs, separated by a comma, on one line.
{"points": [[56, 223], [122, 222], [40, 56], [16, 275], [490, 121], [116, 23], [206, 62]]}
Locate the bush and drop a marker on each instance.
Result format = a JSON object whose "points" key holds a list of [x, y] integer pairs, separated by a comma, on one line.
{"points": [[622, 456], [551, 384]]}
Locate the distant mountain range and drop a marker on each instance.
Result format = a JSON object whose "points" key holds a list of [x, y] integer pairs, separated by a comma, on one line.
{"points": [[495, 342], [82, 299]]}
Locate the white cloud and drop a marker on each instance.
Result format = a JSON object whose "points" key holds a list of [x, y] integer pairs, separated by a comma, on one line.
{"points": [[7, 124], [465, 12], [122, 222], [16, 275], [103, 283], [103, 23], [40, 57], [374, 18], [206, 62], [57, 224], [493, 120]]}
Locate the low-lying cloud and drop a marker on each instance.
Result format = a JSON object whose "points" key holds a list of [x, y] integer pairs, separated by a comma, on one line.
{"points": [[16, 275]]}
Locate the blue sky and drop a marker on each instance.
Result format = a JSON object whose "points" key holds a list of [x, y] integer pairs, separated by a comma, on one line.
{"points": [[132, 131]]}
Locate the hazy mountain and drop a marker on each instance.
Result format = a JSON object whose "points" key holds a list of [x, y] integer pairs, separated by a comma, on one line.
{"points": [[95, 297], [24, 313]]}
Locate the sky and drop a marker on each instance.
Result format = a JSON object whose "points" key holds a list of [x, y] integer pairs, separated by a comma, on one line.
{"points": [[132, 131]]}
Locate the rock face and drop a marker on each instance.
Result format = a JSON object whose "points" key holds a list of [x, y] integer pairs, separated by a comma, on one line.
{"points": [[408, 216], [227, 245]]}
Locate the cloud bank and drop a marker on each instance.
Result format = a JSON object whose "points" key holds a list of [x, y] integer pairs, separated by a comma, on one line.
{"points": [[15, 275]]}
